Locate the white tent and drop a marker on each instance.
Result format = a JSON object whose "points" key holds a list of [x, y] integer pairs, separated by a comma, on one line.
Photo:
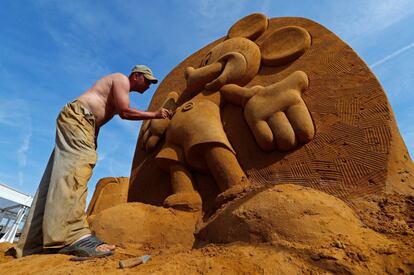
{"points": [[14, 207]]}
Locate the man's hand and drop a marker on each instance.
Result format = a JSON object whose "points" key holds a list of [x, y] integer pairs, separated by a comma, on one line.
{"points": [[278, 116], [154, 129], [163, 113]]}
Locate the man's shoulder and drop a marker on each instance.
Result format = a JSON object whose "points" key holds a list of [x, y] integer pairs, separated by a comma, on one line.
{"points": [[118, 77], [118, 80]]}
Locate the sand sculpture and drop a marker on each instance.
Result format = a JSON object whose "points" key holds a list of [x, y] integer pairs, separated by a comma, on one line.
{"points": [[276, 114], [275, 101], [286, 141], [109, 192]]}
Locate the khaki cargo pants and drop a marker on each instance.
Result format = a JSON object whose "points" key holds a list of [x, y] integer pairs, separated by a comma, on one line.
{"points": [[57, 216]]}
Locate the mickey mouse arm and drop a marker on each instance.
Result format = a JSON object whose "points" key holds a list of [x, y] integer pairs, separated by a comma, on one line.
{"points": [[239, 95]]}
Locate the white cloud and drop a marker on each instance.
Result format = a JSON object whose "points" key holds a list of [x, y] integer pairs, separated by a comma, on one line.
{"points": [[355, 20], [6, 116], [75, 57], [24, 147], [13, 112], [77, 38], [392, 55]]}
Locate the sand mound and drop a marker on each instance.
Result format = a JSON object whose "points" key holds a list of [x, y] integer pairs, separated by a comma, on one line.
{"points": [[289, 213], [109, 192], [231, 259], [285, 229], [143, 224]]}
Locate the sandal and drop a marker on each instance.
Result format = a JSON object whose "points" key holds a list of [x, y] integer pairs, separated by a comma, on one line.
{"points": [[85, 248]]}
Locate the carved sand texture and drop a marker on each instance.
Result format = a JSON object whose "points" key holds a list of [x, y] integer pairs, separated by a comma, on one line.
{"points": [[108, 192], [355, 151]]}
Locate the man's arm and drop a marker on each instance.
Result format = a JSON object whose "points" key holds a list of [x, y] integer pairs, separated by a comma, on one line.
{"points": [[120, 94]]}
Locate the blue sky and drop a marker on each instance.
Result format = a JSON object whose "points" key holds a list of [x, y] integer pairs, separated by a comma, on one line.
{"points": [[52, 51]]}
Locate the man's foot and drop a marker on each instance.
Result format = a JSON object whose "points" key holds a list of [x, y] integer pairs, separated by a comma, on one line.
{"points": [[102, 247], [186, 201], [88, 246]]}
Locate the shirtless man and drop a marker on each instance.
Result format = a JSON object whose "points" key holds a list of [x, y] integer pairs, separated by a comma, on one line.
{"points": [[57, 219], [110, 96]]}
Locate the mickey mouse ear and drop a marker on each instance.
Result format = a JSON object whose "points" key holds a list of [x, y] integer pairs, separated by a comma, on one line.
{"points": [[250, 27], [284, 45]]}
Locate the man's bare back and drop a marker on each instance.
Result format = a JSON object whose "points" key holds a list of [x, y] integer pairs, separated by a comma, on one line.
{"points": [[98, 99], [110, 96]]}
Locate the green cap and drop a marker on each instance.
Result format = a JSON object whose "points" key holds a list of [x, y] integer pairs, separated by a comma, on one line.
{"points": [[145, 71]]}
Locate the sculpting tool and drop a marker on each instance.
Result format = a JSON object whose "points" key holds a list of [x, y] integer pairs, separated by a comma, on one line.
{"points": [[134, 261]]}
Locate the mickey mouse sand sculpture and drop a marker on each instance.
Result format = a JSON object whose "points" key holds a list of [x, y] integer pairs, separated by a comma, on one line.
{"points": [[235, 126], [276, 114]]}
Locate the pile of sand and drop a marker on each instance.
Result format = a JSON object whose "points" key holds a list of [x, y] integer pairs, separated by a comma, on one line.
{"points": [[281, 229], [145, 225]]}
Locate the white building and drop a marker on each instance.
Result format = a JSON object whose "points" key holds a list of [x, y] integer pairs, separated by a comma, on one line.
{"points": [[14, 207]]}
